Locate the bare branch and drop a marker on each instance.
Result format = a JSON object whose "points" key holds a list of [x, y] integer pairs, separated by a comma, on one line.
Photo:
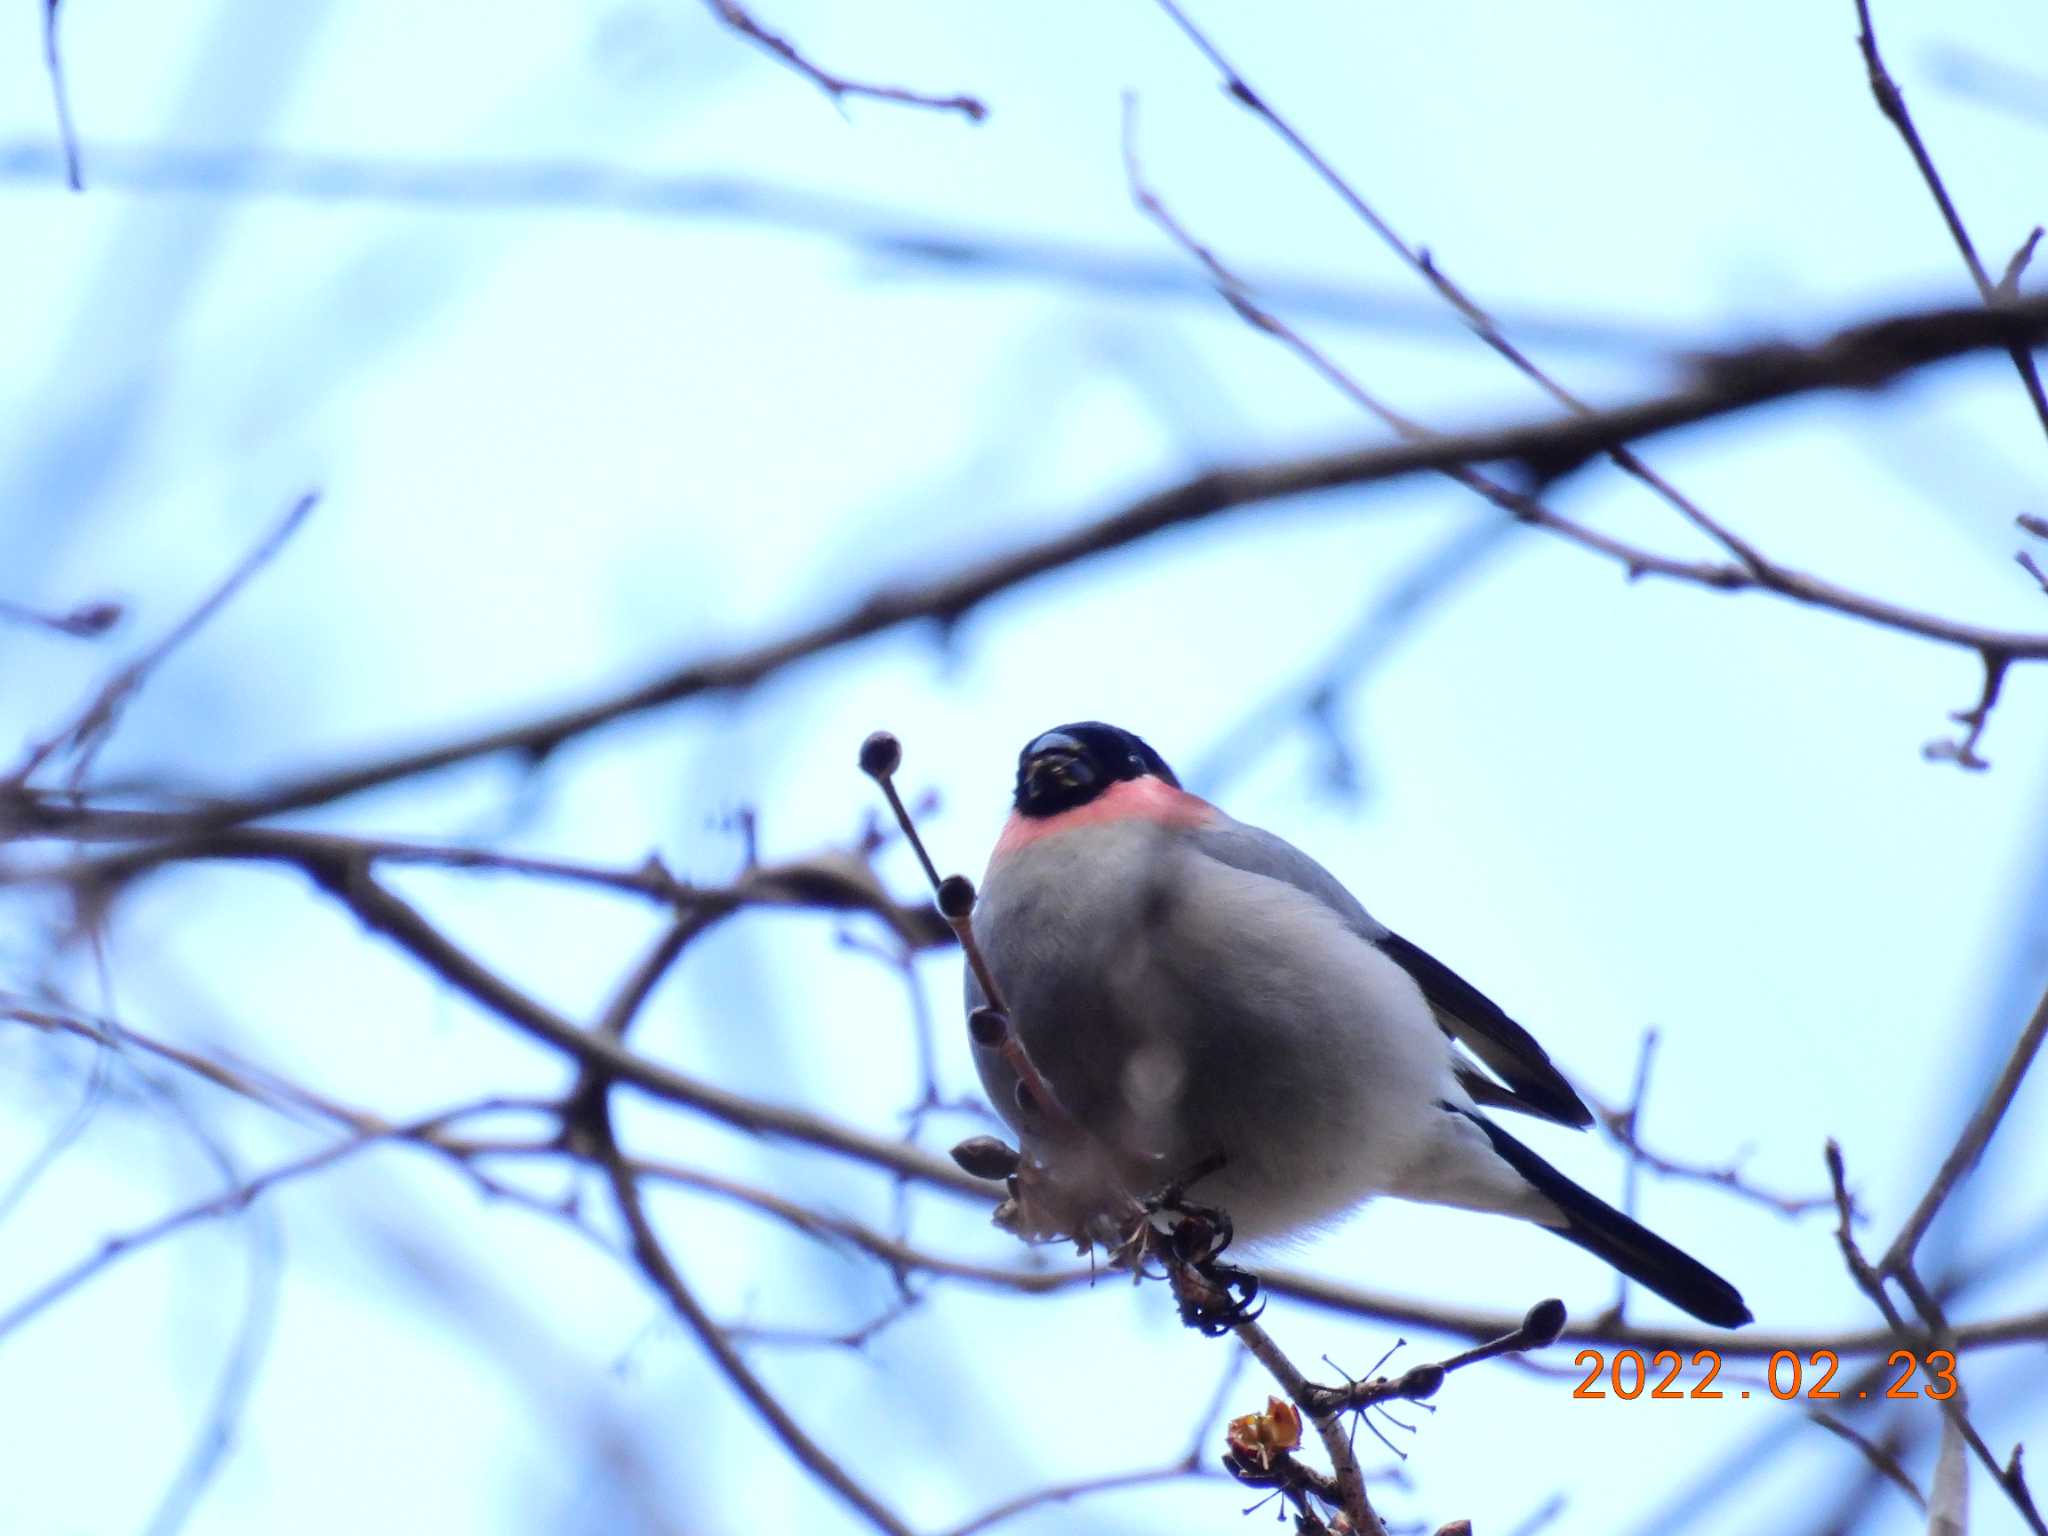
{"points": [[830, 880], [1751, 568], [941, 1175], [1750, 1344], [1970, 1144], [1882, 1459], [231, 1394], [1328, 1421], [1729, 1176], [1482, 324], [1963, 753], [89, 732], [655, 1263], [88, 621], [837, 87], [1860, 357], [948, 250], [1897, 1265], [234, 1199], [1328, 1295], [60, 98], [1539, 1329], [390, 915], [1891, 101], [900, 1257], [2008, 285], [1065, 1493]]}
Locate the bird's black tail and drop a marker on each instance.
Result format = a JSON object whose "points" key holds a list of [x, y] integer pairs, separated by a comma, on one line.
{"points": [[1623, 1242]]}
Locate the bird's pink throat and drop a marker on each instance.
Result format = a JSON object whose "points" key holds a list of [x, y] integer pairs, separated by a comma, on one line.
{"points": [[1146, 799]]}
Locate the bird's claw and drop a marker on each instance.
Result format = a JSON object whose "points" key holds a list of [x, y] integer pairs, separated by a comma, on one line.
{"points": [[1215, 1298]]}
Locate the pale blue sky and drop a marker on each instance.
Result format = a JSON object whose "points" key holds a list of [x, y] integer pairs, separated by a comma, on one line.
{"points": [[565, 440]]}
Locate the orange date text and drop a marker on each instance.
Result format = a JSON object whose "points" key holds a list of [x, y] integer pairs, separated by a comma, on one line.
{"points": [[1668, 1375]]}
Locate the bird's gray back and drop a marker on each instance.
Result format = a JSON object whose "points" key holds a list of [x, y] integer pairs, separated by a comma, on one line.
{"points": [[1259, 852], [1533, 1084]]}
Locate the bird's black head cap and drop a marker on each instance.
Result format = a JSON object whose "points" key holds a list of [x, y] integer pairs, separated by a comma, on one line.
{"points": [[1072, 764]]}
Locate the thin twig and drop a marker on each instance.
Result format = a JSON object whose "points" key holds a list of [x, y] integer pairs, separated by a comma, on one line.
{"points": [[2020, 1329], [1237, 293], [661, 1271], [854, 1339], [1750, 568], [1883, 1460], [89, 732], [1973, 720], [1897, 1266], [900, 1257], [60, 97], [949, 250], [1482, 324], [2008, 285], [204, 1455], [830, 880], [1539, 1517], [1539, 1329], [837, 87], [1328, 1422], [1751, 1344], [1891, 101], [231, 1393], [939, 1174], [1083, 1487], [1970, 1143], [88, 621], [235, 1198], [1619, 1124], [72, 1126]]}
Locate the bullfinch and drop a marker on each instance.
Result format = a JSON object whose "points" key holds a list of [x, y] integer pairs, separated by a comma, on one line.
{"points": [[1199, 993]]}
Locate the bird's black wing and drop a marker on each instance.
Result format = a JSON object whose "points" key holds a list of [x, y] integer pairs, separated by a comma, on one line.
{"points": [[1473, 1019]]}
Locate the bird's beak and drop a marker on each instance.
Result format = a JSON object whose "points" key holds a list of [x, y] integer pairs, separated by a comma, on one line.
{"points": [[1057, 763]]}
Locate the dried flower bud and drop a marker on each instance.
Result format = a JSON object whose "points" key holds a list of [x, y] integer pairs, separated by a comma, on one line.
{"points": [[881, 755], [987, 1158], [1257, 1439]]}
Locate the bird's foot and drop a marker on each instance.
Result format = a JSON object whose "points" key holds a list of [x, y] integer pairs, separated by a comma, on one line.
{"points": [[1214, 1297], [1199, 1232], [1172, 1196]]}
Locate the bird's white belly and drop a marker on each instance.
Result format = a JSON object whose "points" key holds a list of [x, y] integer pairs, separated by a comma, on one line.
{"points": [[1182, 1007]]}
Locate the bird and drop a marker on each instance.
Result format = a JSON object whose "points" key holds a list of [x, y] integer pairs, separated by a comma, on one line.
{"points": [[1197, 993]]}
